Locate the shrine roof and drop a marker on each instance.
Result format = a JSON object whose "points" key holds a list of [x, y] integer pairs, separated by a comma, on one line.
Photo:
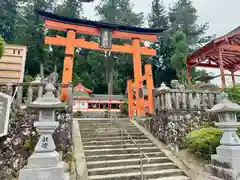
{"points": [[208, 55], [81, 88], [95, 24]]}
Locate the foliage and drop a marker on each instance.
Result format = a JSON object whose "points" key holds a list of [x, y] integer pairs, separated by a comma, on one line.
{"points": [[116, 65], [1, 46], [179, 59], [8, 19], [234, 93], [124, 108], [78, 114], [160, 63], [183, 17], [106, 113], [203, 142]]}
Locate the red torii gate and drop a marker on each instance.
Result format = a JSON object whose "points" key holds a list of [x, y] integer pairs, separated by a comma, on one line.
{"points": [[106, 31], [223, 53]]}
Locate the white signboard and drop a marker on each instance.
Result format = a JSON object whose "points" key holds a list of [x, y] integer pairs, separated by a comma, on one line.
{"points": [[5, 107]]}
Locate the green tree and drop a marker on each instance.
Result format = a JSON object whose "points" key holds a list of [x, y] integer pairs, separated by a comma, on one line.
{"points": [[8, 19], [70, 8], [118, 12], [1, 46], [179, 58], [32, 33], [183, 17], [161, 63]]}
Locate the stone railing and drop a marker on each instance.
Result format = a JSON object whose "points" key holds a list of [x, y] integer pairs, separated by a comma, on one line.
{"points": [[28, 92], [183, 99]]}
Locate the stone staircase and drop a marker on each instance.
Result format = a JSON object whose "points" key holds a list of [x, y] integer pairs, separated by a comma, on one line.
{"points": [[113, 150]]}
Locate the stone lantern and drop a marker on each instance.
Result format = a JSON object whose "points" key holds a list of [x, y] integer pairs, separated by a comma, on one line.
{"points": [[227, 160], [45, 163]]}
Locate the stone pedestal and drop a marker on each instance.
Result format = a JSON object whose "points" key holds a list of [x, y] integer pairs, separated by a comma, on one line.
{"points": [[226, 163], [45, 162]]}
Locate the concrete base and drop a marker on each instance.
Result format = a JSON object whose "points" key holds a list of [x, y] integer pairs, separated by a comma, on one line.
{"points": [[222, 173], [49, 173], [230, 155], [43, 160]]}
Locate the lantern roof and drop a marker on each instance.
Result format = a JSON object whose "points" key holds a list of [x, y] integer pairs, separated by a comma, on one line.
{"points": [[48, 101], [225, 105]]}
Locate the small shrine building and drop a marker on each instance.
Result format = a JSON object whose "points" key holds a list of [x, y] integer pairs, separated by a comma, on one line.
{"points": [[94, 105]]}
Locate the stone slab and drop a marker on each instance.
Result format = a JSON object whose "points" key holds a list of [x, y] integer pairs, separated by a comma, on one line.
{"points": [[52, 173], [41, 160]]}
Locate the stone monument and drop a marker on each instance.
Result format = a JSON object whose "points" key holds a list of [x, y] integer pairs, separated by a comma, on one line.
{"points": [[226, 163], [5, 106], [45, 162]]}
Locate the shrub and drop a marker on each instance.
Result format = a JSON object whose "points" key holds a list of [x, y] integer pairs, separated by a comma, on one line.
{"points": [[234, 93], [203, 142], [124, 108], [1, 46]]}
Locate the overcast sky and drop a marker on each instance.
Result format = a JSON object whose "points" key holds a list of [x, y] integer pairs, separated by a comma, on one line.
{"points": [[222, 15]]}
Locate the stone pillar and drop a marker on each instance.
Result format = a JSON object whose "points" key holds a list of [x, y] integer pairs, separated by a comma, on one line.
{"points": [[19, 96], [226, 163], [45, 164]]}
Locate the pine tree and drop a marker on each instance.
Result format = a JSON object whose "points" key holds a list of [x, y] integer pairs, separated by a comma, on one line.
{"points": [[183, 17], [179, 58], [158, 18], [70, 8], [160, 63]]}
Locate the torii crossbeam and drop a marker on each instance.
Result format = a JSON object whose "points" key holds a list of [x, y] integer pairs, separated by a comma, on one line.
{"points": [[106, 31]]}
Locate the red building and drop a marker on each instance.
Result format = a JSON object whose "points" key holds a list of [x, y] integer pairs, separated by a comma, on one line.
{"points": [[94, 104]]}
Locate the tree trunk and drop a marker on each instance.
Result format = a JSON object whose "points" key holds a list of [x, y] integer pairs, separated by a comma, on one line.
{"points": [[110, 81], [41, 70]]}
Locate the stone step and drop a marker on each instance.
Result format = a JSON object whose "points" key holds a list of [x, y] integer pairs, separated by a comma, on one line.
{"points": [[90, 143], [137, 175], [119, 151], [172, 178], [130, 168], [104, 120], [105, 130], [106, 134], [122, 156], [106, 124], [88, 139], [117, 146], [125, 162]]}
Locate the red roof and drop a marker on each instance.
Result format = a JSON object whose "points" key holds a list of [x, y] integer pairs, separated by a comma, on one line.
{"points": [[81, 88], [208, 55]]}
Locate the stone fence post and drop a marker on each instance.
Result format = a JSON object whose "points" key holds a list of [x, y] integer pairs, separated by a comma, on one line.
{"points": [[226, 163], [45, 164]]}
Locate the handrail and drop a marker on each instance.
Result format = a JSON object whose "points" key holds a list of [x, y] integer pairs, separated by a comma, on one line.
{"points": [[141, 152], [134, 142]]}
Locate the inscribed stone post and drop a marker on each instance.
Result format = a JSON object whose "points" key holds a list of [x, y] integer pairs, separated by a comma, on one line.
{"points": [[5, 107]]}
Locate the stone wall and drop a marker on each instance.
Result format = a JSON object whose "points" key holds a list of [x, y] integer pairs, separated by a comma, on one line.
{"points": [[18, 145], [172, 127]]}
